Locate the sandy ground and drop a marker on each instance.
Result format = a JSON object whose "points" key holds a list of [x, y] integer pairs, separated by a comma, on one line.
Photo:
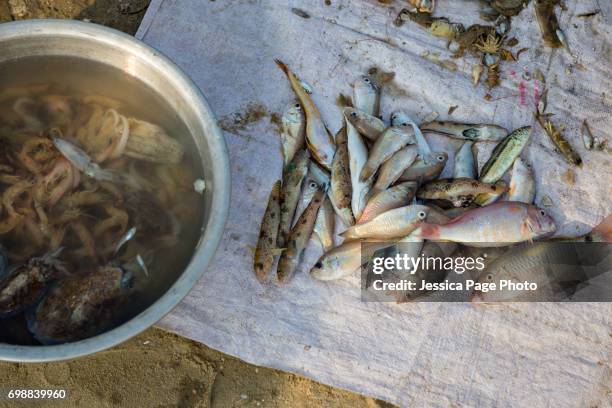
{"points": [[156, 369], [160, 369]]}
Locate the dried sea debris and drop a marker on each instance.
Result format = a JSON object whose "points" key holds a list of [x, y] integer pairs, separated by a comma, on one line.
{"points": [[566, 150], [549, 25]]}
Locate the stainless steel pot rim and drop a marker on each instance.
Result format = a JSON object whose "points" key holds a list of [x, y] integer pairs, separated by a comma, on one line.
{"points": [[213, 230]]}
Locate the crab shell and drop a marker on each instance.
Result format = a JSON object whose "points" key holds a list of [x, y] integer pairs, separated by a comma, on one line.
{"points": [[79, 307]]}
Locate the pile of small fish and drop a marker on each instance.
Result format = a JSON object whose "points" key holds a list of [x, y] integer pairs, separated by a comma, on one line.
{"points": [[381, 179], [85, 191]]}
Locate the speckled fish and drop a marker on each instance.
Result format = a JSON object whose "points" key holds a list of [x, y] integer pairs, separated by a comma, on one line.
{"points": [[402, 119], [566, 150], [345, 259], [24, 285], [397, 196], [325, 225], [298, 238], [293, 131], [266, 244], [391, 140], [392, 169], [499, 224], [366, 96], [421, 172], [395, 223], [315, 179], [369, 126], [81, 306], [358, 156], [504, 155], [467, 131], [465, 164], [460, 192], [318, 138], [341, 192], [290, 193], [522, 183]]}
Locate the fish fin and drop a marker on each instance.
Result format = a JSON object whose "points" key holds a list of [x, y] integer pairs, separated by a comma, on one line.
{"points": [[430, 231], [252, 249], [278, 251], [605, 228]]}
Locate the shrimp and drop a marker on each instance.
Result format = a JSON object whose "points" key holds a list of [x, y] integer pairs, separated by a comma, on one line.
{"points": [[52, 187], [12, 193], [35, 152], [88, 247], [117, 219]]}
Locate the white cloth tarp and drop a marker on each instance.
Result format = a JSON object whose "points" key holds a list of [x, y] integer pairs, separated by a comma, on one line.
{"points": [[425, 354]]}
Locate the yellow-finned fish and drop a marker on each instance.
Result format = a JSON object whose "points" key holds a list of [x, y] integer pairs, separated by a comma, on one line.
{"points": [[318, 138], [391, 140], [500, 224], [395, 223], [293, 131], [290, 193], [298, 238], [397, 196], [266, 244], [341, 192]]}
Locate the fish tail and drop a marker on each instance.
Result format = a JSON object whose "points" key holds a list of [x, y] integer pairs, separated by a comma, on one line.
{"points": [[605, 228], [348, 234], [430, 231], [501, 186]]}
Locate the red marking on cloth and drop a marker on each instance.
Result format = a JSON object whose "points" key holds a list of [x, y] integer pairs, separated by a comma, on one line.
{"points": [[536, 94], [522, 93], [512, 73]]}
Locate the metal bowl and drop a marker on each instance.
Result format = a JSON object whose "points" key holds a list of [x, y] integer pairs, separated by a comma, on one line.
{"points": [[35, 38]]}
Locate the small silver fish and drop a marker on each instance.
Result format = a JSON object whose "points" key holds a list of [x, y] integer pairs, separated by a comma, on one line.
{"points": [[465, 164], [395, 223], [389, 142], [345, 259], [325, 225], [401, 118], [315, 179], [125, 239], [368, 125], [392, 169], [421, 172], [358, 156], [366, 95], [397, 196], [341, 191]]}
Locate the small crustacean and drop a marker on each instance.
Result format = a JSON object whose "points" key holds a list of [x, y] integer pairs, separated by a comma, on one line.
{"points": [[24, 285], [117, 221], [54, 185], [36, 152], [491, 44], [26, 108], [423, 6], [56, 110], [81, 306], [85, 238]]}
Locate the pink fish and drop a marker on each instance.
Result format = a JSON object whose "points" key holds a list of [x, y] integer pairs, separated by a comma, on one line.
{"points": [[499, 224]]}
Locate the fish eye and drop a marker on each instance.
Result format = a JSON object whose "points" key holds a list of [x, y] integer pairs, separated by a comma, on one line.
{"points": [[440, 158], [422, 215], [297, 105], [313, 185], [319, 264], [354, 114], [542, 213], [366, 80]]}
